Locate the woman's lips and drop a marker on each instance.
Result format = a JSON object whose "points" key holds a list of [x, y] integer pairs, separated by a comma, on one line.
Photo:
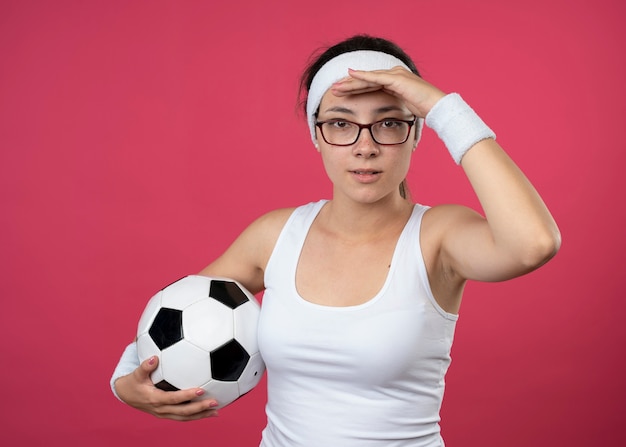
{"points": [[366, 175]]}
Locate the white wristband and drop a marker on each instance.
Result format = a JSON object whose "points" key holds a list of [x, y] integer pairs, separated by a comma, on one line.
{"points": [[457, 125], [127, 364]]}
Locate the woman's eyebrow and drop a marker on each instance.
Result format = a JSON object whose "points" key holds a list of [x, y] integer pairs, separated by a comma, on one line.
{"points": [[391, 108], [384, 109], [340, 109]]}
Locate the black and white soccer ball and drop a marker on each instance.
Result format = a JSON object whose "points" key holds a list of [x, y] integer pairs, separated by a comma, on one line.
{"points": [[204, 332]]}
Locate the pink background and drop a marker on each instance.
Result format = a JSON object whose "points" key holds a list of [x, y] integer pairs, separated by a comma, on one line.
{"points": [[138, 138]]}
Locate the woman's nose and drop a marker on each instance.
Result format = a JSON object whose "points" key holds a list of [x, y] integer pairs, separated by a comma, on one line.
{"points": [[365, 145]]}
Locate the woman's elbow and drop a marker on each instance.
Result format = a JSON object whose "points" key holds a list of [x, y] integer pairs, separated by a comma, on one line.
{"points": [[541, 249]]}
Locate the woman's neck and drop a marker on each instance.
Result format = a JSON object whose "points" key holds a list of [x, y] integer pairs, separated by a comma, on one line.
{"points": [[364, 221]]}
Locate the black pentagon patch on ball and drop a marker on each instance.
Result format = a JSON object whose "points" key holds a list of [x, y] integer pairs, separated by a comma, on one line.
{"points": [[167, 327], [228, 361], [165, 386], [228, 293]]}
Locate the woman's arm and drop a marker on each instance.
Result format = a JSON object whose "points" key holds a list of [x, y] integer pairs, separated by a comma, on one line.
{"points": [[246, 258], [243, 261], [517, 233]]}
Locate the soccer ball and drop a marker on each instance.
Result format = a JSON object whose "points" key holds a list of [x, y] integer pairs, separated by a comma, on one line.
{"points": [[204, 332]]}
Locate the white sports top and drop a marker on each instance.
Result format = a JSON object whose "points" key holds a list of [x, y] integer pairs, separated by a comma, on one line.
{"points": [[365, 375]]}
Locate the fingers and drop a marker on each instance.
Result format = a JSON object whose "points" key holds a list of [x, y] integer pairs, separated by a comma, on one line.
{"points": [[142, 374], [396, 81], [379, 77], [193, 417], [182, 405], [150, 364], [179, 405], [179, 397], [419, 95], [354, 86], [190, 411]]}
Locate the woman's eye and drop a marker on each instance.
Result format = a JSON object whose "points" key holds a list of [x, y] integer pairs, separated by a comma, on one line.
{"points": [[390, 124], [340, 124]]}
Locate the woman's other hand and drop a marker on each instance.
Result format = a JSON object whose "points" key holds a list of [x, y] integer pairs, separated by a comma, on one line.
{"points": [[138, 391]]}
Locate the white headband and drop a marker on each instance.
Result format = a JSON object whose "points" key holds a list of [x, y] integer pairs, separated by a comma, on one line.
{"points": [[337, 68]]}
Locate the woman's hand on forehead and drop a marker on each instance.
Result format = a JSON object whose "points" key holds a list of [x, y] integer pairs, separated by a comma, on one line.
{"points": [[418, 95]]}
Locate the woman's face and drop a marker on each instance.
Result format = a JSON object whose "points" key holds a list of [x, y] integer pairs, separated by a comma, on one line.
{"points": [[365, 171]]}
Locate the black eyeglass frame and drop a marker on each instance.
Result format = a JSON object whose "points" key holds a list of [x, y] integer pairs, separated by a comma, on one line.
{"points": [[411, 123]]}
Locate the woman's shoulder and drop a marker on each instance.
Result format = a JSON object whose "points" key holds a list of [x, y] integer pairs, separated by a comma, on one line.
{"points": [[276, 219], [445, 222], [273, 220], [447, 214], [246, 258]]}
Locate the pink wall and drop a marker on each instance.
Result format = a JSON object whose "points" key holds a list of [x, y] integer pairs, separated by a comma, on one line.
{"points": [[137, 139]]}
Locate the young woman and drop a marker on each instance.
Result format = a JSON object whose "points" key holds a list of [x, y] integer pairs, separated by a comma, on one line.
{"points": [[359, 358]]}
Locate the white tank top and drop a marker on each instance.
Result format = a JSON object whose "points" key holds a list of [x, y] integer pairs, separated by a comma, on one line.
{"points": [[365, 375]]}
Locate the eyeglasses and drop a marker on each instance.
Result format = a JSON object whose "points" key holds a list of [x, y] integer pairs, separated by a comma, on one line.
{"points": [[339, 132]]}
